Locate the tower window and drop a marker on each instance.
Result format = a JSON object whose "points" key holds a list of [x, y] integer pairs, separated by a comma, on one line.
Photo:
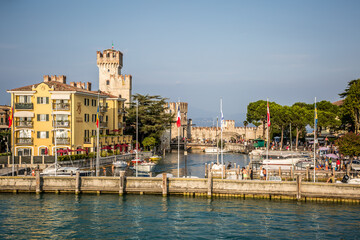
{"points": [[107, 82], [108, 70]]}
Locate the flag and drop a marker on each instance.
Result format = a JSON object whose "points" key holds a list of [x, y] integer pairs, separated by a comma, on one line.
{"points": [[112, 45], [316, 118], [97, 117], [11, 116], [178, 122], [268, 115]]}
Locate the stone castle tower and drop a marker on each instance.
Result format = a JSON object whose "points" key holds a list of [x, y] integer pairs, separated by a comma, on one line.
{"points": [[111, 81]]}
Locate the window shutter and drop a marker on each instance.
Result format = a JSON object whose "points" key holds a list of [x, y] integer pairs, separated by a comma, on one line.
{"points": [[38, 100], [47, 134], [38, 134], [38, 117], [47, 117], [47, 100]]}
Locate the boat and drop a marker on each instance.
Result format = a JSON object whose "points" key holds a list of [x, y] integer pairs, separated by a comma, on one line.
{"points": [[120, 164], [168, 175], [256, 152], [64, 171], [145, 166], [283, 159], [155, 158], [214, 150]]}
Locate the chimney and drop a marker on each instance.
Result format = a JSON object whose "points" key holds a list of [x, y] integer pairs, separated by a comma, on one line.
{"points": [[47, 78], [88, 86], [72, 84], [82, 85]]}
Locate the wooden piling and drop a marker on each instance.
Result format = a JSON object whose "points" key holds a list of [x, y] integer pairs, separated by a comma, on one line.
{"points": [[280, 172], [307, 174], [298, 187], [292, 172], [77, 182], [209, 185], [164, 185], [122, 183], [206, 170], [38, 182]]}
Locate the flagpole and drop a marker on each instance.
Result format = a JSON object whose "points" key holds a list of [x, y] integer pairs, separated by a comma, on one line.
{"points": [[137, 134], [178, 170], [315, 126], [221, 143], [267, 142], [217, 141], [55, 142], [97, 136], [13, 133]]}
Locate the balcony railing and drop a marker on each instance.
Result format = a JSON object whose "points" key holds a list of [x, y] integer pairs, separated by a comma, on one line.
{"points": [[61, 106], [61, 140], [103, 125], [103, 108], [24, 124], [62, 123], [24, 141], [26, 106], [87, 140]]}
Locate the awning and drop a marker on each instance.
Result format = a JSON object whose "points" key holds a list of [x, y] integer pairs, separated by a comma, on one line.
{"points": [[61, 113], [23, 114], [60, 96]]}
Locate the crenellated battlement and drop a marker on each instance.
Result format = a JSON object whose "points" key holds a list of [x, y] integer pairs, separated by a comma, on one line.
{"points": [[109, 56], [54, 78]]}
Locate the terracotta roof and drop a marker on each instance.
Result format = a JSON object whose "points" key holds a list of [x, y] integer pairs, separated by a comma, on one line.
{"points": [[58, 86], [338, 103]]}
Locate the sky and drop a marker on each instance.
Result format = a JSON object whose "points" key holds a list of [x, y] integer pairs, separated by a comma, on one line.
{"points": [[195, 51]]}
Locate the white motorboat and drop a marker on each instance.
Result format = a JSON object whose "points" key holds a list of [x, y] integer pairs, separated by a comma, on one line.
{"points": [[214, 150], [145, 166], [283, 159], [120, 164], [64, 171], [256, 152]]}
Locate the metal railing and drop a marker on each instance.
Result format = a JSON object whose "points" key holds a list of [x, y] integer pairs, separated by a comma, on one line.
{"points": [[24, 124], [61, 106], [62, 123], [24, 141], [24, 106], [87, 140], [103, 125]]}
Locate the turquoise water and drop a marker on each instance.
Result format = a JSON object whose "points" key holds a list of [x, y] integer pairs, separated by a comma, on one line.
{"points": [[67, 216]]}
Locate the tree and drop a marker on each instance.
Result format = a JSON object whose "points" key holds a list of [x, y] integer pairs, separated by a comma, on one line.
{"points": [[280, 118], [299, 119], [149, 142], [351, 106], [257, 113], [153, 118], [349, 144]]}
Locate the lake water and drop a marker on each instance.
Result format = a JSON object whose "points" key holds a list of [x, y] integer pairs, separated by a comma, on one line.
{"points": [[67, 216]]}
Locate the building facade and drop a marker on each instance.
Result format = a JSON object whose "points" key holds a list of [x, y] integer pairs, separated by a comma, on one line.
{"points": [[53, 115], [111, 81]]}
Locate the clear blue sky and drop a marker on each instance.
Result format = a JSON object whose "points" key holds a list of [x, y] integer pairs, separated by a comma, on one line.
{"points": [[198, 51]]}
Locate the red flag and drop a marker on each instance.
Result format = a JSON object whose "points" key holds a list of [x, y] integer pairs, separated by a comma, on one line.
{"points": [[268, 115], [97, 118], [178, 122], [11, 115]]}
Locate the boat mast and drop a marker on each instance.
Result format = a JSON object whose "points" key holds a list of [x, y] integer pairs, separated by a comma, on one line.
{"points": [[55, 133], [217, 141], [97, 137], [315, 126], [221, 147], [267, 138], [137, 136], [178, 170]]}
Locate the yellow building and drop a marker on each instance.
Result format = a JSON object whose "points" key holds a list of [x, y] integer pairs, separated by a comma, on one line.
{"points": [[53, 113]]}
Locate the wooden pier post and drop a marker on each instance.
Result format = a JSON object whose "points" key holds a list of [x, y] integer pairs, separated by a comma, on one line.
{"points": [[348, 170], [38, 182], [77, 183], [298, 187], [307, 173], [292, 172], [209, 185], [122, 183], [333, 175], [280, 172], [206, 170], [164, 185]]}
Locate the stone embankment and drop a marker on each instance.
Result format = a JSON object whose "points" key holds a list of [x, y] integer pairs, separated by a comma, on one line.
{"points": [[207, 187]]}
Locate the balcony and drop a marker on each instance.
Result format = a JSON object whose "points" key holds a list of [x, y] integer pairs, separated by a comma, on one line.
{"points": [[24, 141], [61, 106], [62, 140], [103, 108], [121, 125], [103, 125], [24, 124], [24, 106], [87, 140], [62, 123]]}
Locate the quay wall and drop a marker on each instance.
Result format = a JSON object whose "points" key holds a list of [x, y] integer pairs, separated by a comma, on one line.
{"points": [[295, 190]]}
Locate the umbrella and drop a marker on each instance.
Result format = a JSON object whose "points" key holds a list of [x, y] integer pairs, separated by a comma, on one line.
{"points": [[80, 150], [115, 130], [331, 155], [106, 147], [61, 151], [70, 150], [46, 151]]}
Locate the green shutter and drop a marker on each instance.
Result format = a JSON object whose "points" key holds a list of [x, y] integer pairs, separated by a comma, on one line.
{"points": [[38, 134], [38, 100], [47, 100], [47, 134], [38, 117], [47, 117]]}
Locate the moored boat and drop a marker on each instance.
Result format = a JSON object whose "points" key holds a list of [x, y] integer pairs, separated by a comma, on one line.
{"points": [[120, 164], [64, 171]]}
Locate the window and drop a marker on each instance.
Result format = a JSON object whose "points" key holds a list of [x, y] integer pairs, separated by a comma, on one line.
{"points": [[43, 117], [107, 118], [86, 117], [43, 134], [93, 132], [43, 100], [86, 133], [86, 102], [2, 120], [93, 102], [107, 82], [93, 118], [25, 99]]}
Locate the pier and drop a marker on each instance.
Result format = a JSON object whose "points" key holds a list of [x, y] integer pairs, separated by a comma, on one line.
{"points": [[206, 187]]}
